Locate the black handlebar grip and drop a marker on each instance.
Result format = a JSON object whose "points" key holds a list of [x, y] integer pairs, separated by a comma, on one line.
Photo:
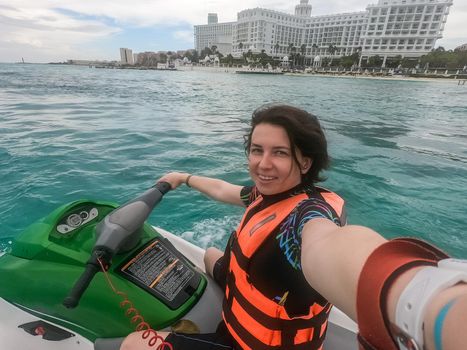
{"points": [[72, 300], [163, 187]]}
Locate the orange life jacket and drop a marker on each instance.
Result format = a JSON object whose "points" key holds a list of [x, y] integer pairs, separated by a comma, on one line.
{"points": [[255, 321]]}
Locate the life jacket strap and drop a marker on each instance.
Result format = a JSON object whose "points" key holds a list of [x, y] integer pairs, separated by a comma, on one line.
{"points": [[256, 344], [273, 323]]}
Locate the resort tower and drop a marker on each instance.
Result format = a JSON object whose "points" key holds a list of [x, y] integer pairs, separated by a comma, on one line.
{"points": [[408, 28]]}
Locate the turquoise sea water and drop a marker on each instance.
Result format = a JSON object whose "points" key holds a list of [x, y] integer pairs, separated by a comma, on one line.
{"points": [[399, 148]]}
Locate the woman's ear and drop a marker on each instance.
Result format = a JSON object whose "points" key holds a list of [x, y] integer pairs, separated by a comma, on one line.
{"points": [[305, 164]]}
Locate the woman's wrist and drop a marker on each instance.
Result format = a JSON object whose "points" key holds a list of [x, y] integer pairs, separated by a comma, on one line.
{"points": [[187, 180]]}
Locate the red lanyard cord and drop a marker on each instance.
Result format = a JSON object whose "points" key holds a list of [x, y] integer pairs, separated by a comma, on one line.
{"points": [[134, 315]]}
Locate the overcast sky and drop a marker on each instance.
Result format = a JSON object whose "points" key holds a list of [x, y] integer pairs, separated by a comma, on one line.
{"points": [[57, 30]]}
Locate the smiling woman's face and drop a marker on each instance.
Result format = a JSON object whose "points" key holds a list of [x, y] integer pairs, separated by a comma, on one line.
{"points": [[271, 162]]}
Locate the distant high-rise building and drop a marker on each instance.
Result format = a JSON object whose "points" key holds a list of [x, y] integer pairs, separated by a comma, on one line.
{"points": [[126, 56], [303, 10], [212, 18], [390, 28], [214, 34]]}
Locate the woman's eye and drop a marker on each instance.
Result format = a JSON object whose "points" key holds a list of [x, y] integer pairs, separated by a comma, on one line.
{"points": [[255, 150], [282, 153]]}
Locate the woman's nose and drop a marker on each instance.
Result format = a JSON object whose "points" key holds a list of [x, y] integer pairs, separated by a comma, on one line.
{"points": [[265, 161]]}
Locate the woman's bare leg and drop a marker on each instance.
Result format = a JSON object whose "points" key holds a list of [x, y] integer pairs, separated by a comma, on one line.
{"points": [[211, 256], [135, 341]]}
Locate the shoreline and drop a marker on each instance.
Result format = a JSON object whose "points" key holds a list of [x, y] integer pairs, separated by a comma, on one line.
{"points": [[389, 78], [326, 74], [232, 70]]}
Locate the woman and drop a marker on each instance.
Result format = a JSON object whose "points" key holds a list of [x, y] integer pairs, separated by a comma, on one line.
{"points": [[292, 237], [286, 150]]}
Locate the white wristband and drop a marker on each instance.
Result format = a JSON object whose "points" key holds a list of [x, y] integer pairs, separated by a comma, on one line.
{"points": [[416, 296]]}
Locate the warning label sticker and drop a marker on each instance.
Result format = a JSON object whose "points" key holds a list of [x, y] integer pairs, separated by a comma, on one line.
{"points": [[160, 270]]}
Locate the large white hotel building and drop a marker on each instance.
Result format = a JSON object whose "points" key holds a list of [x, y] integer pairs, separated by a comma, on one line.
{"points": [[408, 28]]}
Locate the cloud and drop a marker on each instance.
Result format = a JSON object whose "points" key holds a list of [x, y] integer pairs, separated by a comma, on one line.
{"points": [[142, 12], [455, 31], [184, 35], [46, 32], [455, 25], [49, 19]]}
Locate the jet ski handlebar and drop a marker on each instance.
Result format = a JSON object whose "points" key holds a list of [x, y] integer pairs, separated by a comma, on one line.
{"points": [[119, 232], [92, 267]]}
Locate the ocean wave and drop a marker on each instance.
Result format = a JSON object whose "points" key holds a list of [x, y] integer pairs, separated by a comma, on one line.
{"points": [[211, 232]]}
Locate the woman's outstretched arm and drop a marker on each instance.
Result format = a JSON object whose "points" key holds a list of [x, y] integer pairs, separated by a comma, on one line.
{"points": [[219, 190], [333, 258]]}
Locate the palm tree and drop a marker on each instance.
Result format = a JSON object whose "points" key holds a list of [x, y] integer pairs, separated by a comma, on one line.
{"points": [[294, 55], [276, 48], [163, 58], [358, 52], [249, 54], [195, 56], [240, 46], [206, 52], [332, 50], [303, 52], [263, 58], [229, 59], [313, 48]]}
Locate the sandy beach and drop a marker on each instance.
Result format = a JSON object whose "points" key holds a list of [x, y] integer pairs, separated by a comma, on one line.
{"points": [[348, 75]]}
